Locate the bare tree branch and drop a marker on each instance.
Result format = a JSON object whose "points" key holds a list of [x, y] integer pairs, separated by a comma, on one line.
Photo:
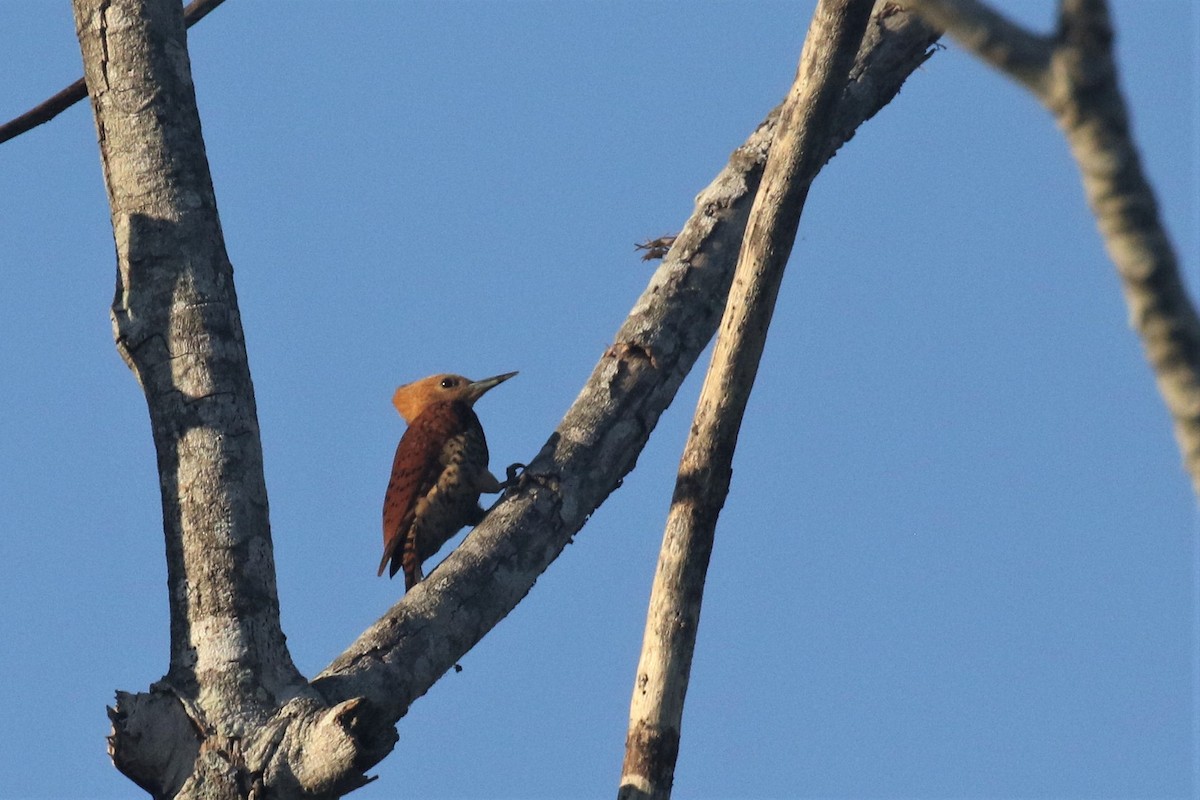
{"points": [[596, 444], [1008, 47], [1077, 81], [705, 469], [176, 323], [59, 102], [233, 718]]}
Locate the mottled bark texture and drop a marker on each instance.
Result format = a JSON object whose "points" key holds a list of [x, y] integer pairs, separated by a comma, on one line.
{"points": [[222, 720], [705, 469], [233, 718], [1073, 73], [597, 443]]}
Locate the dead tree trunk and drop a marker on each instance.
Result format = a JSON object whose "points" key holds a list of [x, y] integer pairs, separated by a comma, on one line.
{"points": [[233, 718], [211, 726]]}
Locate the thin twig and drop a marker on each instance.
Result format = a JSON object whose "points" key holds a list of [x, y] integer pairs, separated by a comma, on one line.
{"points": [[61, 101]]}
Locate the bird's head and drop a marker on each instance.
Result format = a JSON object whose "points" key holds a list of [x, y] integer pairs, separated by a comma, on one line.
{"points": [[413, 398]]}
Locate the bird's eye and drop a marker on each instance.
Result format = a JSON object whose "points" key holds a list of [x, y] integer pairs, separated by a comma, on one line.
{"points": [[447, 383]]}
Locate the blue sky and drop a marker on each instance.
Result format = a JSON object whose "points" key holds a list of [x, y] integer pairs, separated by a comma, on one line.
{"points": [[959, 554]]}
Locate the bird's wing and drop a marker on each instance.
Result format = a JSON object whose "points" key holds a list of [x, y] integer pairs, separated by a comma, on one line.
{"points": [[415, 470]]}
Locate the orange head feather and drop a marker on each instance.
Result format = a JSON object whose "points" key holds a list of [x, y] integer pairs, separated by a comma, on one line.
{"points": [[413, 398]]}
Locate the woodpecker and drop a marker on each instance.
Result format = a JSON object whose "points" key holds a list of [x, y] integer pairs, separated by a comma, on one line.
{"points": [[441, 466]]}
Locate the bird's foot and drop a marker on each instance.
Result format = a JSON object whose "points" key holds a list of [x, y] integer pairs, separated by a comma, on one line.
{"points": [[517, 476], [514, 474]]}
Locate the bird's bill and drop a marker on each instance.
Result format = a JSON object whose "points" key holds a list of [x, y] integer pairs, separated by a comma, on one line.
{"points": [[477, 388]]}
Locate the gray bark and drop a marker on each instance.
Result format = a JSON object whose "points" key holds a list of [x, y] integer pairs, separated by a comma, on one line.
{"points": [[176, 323], [706, 467], [1073, 73], [233, 718], [396, 660]]}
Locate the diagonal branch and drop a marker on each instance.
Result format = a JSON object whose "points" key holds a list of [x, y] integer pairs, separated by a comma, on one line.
{"points": [[1077, 81], [706, 467], [233, 717], [396, 660], [59, 102]]}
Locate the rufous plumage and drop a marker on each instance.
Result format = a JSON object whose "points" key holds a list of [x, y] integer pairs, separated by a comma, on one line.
{"points": [[440, 469]]}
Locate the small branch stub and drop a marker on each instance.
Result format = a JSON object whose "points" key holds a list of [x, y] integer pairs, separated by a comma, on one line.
{"points": [[153, 742]]}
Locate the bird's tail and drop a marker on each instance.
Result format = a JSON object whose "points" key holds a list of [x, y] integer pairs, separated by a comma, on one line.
{"points": [[411, 563]]}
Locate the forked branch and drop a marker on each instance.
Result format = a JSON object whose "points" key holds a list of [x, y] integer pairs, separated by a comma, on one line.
{"points": [[1073, 73], [233, 718]]}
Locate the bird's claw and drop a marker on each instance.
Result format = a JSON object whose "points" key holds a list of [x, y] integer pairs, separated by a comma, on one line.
{"points": [[517, 476], [513, 474]]}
